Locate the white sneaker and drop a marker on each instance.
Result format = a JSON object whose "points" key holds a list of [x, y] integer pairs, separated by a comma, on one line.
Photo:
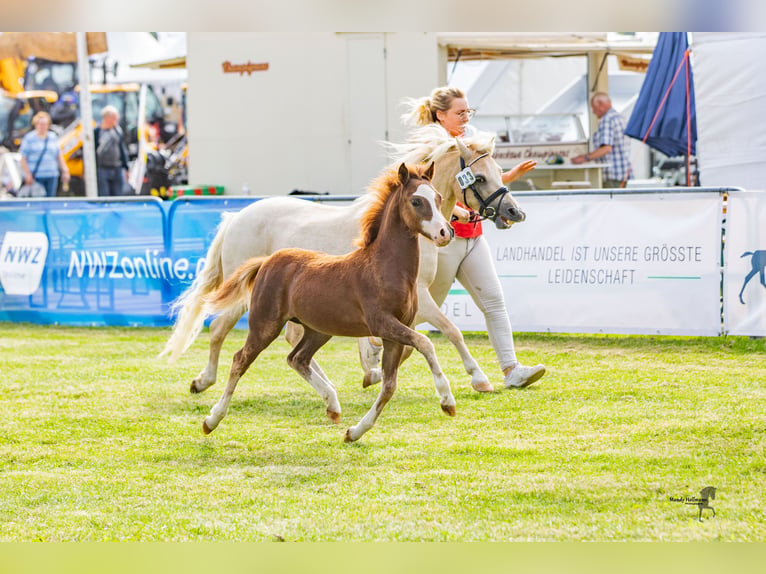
{"points": [[369, 352], [521, 376]]}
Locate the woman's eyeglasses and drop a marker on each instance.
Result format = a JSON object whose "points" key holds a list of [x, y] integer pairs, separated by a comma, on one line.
{"points": [[466, 114]]}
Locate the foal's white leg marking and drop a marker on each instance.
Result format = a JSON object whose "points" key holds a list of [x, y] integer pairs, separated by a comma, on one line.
{"points": [[293, 334], [441, 383], [219, 410], [443, 391], [322, 385], [325, 388], [365, 423]]}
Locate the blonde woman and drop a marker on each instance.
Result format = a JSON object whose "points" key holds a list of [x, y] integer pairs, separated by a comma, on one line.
{"points": [[41, 158], [468, 257]]}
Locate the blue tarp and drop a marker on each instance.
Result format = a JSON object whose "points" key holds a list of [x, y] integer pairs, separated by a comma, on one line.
{"points": [[669, 132]]}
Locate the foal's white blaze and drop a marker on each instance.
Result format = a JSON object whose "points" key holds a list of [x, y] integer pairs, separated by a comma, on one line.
{"points": [[437, 228]]}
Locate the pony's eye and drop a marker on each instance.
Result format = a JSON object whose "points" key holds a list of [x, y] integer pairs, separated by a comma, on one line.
{"points": [[480, 179], [416, 202]]}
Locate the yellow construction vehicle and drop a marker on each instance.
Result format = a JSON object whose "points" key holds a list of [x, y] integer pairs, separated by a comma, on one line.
{"points": [[16, 111], [12, 75]]}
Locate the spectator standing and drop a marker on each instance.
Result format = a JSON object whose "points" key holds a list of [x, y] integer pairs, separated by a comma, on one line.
{"points": [[611, 146], [41, 158], [111, 154]]}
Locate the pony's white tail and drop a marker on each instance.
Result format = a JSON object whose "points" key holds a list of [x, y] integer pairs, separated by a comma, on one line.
{"points": [[190, 305], [236, 288]]}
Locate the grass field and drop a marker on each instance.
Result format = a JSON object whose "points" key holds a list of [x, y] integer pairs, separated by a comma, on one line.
{"points": [[102, 441]]}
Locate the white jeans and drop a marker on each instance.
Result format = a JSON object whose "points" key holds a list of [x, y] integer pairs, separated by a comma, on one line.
{"points": [[470, 262]]}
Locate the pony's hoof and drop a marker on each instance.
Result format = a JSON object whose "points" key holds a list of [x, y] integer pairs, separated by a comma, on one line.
{"points": [[449, 409], [206, 429], [371, 377], [193, 387], [483, 387], [347, 436], [333, 416]]}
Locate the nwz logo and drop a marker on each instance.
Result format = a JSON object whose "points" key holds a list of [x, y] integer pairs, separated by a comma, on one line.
{"points": [[758, 264], [24, 254], [22, 261]]}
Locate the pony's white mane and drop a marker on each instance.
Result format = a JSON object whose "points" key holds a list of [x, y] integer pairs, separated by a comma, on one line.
{"points": [[431, 142]]}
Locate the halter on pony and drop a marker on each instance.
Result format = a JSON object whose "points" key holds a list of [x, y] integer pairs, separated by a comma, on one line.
{"points": [[466, 179]]}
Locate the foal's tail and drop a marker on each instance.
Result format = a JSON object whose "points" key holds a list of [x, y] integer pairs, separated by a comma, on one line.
{"points": [[236, 288], [190, 306]]}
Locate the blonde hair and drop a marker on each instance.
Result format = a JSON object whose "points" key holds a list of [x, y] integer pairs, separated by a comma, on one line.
{"points": [[422, 111], [41, 115]]}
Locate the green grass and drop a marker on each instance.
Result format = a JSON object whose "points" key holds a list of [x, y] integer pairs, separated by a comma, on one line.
{"points": [[102, 441]]}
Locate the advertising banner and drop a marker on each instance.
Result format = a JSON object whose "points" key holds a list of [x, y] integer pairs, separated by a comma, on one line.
{"points": [[638, 263], [744, 289], [627, 262], [85, 262]]}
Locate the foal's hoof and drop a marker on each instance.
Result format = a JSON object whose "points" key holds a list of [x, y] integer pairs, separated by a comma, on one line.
{"points": [[193, 387], [449, 409], [206, 429], [333, 416], [347, 437]]}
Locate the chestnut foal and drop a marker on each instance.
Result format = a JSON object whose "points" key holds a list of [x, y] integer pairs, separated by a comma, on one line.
{"points": [[370, 291]]}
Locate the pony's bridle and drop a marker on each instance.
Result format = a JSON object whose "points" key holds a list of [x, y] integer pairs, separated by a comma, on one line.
{"points": [[466, 179]]}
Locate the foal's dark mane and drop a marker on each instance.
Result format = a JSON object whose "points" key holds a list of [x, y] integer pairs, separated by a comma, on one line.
{"points": [[381, 189]]}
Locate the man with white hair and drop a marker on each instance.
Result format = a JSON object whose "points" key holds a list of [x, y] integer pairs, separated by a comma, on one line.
{"points": [[111, 154], [610, 145]]}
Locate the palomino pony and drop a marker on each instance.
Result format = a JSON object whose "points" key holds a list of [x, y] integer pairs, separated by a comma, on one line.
{"points": [[370, 291], [279, 222]]}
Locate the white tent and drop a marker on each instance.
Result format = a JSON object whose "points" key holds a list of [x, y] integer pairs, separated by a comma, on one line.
{"points": [[129, 48], [730, 91]]}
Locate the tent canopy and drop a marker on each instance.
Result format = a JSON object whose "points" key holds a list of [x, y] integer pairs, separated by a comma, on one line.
{"points": [[465, 46], [56, 46]]}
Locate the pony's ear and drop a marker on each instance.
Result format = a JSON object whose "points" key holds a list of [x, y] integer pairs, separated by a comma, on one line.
{"points": [[404, 174], [429, 172], [464, 151]]}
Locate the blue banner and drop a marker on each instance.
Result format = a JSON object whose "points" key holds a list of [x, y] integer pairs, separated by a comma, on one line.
{"points": [[119, 261], [85, 262]]}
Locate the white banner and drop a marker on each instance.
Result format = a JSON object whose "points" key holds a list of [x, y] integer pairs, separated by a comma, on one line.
{"points": [[22, 261], [744, 290], [625, 263]]}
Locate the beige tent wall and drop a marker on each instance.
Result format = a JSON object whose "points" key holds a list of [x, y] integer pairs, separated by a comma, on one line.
{"points": [[311, 121]]}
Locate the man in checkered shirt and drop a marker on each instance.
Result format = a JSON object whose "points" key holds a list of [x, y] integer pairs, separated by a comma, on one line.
{"points": [[610, 145]]}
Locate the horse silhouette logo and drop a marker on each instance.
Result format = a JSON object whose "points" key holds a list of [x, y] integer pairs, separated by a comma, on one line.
{"points": [[758, 263], [703, 502]]}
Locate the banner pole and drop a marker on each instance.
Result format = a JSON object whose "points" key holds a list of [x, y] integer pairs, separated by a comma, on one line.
{"points": [[86, 118]]}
